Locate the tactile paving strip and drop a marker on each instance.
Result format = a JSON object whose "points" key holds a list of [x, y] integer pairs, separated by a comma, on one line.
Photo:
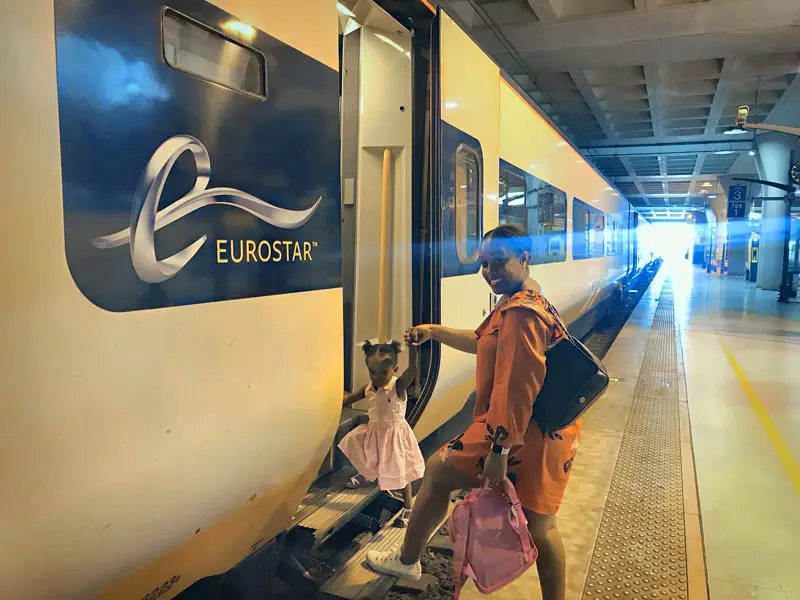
{"points": [[640, 552]]}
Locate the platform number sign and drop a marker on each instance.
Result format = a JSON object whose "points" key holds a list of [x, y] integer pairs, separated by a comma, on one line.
{"points": [[737, 202]]}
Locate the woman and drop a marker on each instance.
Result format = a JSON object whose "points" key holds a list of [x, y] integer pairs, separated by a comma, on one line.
{"points": [[510, 346]]}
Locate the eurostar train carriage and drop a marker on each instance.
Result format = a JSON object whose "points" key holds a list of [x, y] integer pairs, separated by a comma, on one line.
{"points": [[208, 205]]}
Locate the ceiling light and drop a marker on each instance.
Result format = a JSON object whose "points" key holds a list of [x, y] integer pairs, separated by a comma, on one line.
{"points": [[712, 195], [706, 184], [752, 153], [724, 152], [344, 10], [734, 131]]}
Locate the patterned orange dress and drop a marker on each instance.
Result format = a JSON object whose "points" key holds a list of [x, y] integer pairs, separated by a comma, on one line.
{"points": [[512, 342]]}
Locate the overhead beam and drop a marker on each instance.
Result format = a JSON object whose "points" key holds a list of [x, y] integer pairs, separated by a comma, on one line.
{"points": [[779, 40], [664, 139], [586, 90], [626, 162], [643, 178], [677, 23], [720, 95], [651, 79], [544, 10], [785, 110], [653, 149]]}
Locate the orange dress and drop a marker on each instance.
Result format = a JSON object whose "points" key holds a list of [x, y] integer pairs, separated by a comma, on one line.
{"points": [[512, 342]]}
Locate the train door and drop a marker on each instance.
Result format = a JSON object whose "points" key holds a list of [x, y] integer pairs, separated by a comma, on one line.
{"points": [[376, 115]]}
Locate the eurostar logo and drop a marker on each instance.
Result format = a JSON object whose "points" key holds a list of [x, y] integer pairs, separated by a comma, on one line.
{"points": [[146, 218]]}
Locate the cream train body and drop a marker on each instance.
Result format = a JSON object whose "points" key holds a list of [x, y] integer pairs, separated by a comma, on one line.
{"points": [[148, 438]]}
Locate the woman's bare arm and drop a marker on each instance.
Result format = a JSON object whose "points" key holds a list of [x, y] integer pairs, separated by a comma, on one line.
{"points": [[464, 340]]}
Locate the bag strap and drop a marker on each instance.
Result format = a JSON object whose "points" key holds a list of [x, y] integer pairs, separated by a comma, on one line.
{"points": [[460, 549], [524, 536], [559, 321]]}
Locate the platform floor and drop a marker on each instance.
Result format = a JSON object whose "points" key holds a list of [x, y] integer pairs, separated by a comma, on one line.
{"points": [[732, 531], [742, 354]]}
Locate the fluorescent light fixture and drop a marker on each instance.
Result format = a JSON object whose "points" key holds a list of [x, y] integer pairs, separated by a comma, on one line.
{"points": [[734, 131], [712, 195], [752, 153], [344, 10], [706, 184], [518, 202], [724, 152]]}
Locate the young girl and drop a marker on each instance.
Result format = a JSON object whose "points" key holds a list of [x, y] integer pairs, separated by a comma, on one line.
{"points": [[385, 449]]}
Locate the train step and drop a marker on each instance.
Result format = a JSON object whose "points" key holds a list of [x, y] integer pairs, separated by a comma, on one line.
{"points": [[325, 510], [355, 581]]}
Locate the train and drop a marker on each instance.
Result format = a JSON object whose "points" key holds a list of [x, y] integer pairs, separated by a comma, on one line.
{"points": [[209, 205]]}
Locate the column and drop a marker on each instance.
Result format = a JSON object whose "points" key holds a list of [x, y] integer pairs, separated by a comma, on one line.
{"points": [[774, 156]]}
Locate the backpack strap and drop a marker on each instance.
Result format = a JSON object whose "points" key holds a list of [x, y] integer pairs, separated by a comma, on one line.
{"points": [[519, 516], [460, 550]]}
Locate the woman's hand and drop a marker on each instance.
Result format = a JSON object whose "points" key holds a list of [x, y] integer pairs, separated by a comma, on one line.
{"points": [[495, 469], [416, 336]]}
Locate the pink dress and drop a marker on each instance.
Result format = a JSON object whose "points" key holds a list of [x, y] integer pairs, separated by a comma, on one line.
{"points": [[385, 449]]}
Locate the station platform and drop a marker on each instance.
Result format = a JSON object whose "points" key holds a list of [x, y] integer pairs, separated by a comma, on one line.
{"points": [[686, 484]]}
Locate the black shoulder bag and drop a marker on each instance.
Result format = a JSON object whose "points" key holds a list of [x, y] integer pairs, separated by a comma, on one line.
{"points": [[574, 380]]}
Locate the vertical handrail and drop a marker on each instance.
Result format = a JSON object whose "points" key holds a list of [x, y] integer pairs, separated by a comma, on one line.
{"points": [[386, 194]]}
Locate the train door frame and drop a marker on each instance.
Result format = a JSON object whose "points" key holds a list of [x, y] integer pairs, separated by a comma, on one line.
{"points": [[425, 198]]}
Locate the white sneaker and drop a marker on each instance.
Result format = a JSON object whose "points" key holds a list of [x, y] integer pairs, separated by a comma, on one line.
{"points": [[388, 563]]}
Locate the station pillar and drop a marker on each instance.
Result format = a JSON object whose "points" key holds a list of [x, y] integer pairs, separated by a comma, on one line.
{"points": [[774, 150]]}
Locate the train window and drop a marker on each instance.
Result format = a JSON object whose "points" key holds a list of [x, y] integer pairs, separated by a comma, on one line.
{"points": [[588, 231], [613, 228], [596, 234], [618, 233], [512, 200], [537, 206], [204, 53], [580, 228], [468, 213]]}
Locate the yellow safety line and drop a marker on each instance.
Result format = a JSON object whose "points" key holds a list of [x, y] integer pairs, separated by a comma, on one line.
{"points": [[774, 436]]}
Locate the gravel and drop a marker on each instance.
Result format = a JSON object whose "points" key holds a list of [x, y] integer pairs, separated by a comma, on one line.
{"points": [[440, 567]]}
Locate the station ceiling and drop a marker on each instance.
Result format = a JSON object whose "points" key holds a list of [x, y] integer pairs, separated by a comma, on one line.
{"points": [[646, 88]]}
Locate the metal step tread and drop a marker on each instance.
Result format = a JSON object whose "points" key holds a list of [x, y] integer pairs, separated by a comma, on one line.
{"points": [[321, 492], [338, 509], [356, 581]]}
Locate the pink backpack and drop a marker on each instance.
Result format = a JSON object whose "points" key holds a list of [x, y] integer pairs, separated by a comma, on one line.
{"points": [[492, 544]]}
